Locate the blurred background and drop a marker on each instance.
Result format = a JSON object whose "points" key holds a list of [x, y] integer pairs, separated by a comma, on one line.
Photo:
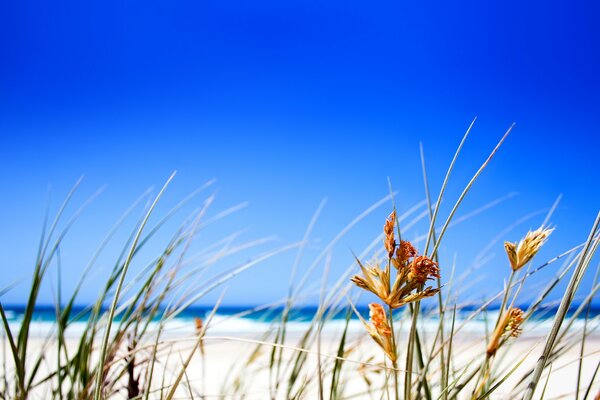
{"points": [[288, 103]]}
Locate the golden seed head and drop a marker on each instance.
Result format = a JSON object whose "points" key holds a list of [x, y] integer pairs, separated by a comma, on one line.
{"points": [[407, 286], [519, 254], [515, 320], [511, 252], [508, 326], [360, 282], [422, 268], [374, 279], [388, 230], [417, 296], [378, 319]]}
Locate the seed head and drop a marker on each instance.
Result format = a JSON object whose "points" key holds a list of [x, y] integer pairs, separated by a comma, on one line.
{"points": [[388, 231], [380, 330], [412, 271], [378, 319], [422, 269], [508, 326], [515, 320], [374, 279], [404, 253], [519, 254], [198, 323]]}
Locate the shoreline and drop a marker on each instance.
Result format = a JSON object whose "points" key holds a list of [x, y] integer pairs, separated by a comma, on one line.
{"points": [[227, 359]]}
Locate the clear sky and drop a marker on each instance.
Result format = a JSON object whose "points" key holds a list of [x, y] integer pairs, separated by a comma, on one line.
{"points": [[286, 103]]}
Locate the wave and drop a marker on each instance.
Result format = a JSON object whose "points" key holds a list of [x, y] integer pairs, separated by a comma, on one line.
{"points": [[226, 324]]}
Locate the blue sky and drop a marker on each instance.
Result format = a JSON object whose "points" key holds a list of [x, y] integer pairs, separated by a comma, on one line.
{"points": [[286, 103]]}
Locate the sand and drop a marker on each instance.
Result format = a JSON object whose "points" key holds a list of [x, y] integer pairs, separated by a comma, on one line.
{"points": [[222, 370]]}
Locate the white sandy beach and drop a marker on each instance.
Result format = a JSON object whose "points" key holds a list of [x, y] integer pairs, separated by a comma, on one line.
{"points": [[222, 371]]}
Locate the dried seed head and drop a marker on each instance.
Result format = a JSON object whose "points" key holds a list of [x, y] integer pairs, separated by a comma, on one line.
{"points": [[198, 323], [378, 319], [409, 279], [374, 279], [511, 252], [508, 326], [519, 254], [404, 253], [422, 269], [417, 296], [515, 320], [388, 230], [360, 282], [380, 330]]}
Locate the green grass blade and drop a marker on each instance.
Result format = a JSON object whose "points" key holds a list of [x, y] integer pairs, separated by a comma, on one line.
{"points": [[15, 353], [499, 383], [111, 313]]}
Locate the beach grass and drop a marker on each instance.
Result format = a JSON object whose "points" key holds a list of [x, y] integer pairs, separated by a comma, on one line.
{"points": [[403, 350]]}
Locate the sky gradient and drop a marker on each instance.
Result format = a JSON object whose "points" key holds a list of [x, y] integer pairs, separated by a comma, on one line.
{"points": [[287, 103]]}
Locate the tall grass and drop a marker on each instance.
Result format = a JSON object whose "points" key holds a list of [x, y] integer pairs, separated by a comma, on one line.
{"points": [[414, 345]]}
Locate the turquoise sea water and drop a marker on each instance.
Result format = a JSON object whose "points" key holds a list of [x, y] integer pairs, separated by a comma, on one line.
{"points": [[248, 319]]}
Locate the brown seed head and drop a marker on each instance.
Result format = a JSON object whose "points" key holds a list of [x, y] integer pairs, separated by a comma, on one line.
{"points": [[404, 253], [508, 326], [198, 323], [378, 319], [519, 254], [380, 330], [422, 268], [388, 230], [515, 320]]}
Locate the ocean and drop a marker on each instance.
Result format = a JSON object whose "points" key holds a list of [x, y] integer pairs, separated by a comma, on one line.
{"points": [[254, 319]]}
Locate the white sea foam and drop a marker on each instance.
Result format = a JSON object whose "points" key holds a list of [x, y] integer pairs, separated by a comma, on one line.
{"points": [[232, 325]]}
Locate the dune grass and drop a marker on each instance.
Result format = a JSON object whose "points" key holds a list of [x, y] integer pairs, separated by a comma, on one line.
{"points": [[405, 351]]}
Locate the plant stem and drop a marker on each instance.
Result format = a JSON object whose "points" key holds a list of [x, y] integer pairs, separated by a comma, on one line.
{"points": [[391, 317], [410, 351], [565, 303], [394, 361], [486, 363], [506, 294]]}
